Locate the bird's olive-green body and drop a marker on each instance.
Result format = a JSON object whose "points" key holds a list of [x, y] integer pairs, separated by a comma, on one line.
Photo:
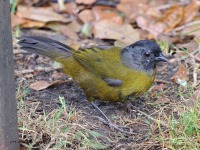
{"points": [[108, 74], [88, 67]]}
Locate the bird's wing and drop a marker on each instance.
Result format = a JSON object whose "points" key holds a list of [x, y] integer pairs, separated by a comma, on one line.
{"points": [[105, 63]]}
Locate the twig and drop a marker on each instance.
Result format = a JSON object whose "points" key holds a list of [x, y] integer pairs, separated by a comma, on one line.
{"points": [[162, 81]]}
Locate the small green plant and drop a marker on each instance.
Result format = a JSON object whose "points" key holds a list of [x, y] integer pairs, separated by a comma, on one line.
{"points": [[184, 131]]}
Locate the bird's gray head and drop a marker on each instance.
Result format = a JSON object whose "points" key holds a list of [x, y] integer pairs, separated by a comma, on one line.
{"points": [[142, 55]]}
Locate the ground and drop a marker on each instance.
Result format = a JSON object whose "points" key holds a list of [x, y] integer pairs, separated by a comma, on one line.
{"points": [[60, 117]]}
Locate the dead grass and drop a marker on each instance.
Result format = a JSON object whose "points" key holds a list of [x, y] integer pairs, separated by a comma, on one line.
{"points": [[58, 129]]}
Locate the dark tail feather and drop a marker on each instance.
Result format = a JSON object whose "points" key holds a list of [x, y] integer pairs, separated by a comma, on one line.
{"points": [[45, 46]]}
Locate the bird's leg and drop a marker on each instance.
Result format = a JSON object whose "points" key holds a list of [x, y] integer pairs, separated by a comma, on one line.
{"points": [[108, 122], [132, 109]]}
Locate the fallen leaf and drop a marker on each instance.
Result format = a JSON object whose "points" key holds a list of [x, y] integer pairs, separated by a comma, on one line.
{"points": [[41, 14], [15, 20], [181, 76], [64, 29], [191, 10], [109, 30], [162, 100], [39, 85], [87, 2], [107, 13], [71, 8], [33, 24], [172, 17], [146, 23], [86, 16], [135, 8]]}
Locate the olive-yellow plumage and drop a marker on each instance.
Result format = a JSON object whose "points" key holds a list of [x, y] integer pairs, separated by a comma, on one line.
{"points": [[91, 82], [105, 74]]}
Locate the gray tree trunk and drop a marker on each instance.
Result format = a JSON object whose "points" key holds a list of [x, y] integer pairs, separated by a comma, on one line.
{"points": [[9, 139]]}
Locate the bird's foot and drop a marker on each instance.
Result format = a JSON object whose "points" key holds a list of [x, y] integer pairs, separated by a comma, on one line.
{"points": [[110, 124], [134, 110], [113, 126]]}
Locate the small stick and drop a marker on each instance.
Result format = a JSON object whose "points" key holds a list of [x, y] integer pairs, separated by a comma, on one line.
{"points": [[162, 81]]}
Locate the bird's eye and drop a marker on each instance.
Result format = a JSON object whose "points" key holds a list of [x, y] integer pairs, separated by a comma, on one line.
{"points": [[147, 54], [157, 54]]}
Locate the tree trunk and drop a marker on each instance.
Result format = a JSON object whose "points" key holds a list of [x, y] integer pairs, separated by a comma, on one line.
{"points": [[8, 109]]}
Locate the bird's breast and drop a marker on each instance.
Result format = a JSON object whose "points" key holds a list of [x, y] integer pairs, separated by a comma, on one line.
{"points": [[136, 83]]}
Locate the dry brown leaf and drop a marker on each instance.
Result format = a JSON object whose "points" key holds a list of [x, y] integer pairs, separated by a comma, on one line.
{"points": [[86, 16], [39, 85], [162, 100], [180, 75], [135, 8], [71, 8], [109, 30], [33, 24], [154, 28], [41, 14], [15, 20], [191, 10], [87, 2], [172, 17], [64, 29], [107, 13]]}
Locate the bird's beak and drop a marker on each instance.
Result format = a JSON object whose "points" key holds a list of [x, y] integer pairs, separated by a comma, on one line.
{"points": [[161, 57]]}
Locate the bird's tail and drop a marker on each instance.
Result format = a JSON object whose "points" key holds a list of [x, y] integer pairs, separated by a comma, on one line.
{"points": [[45, 46]]}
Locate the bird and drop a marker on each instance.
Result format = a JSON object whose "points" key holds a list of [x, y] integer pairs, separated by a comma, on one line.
{"points": [[105, 73]]}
